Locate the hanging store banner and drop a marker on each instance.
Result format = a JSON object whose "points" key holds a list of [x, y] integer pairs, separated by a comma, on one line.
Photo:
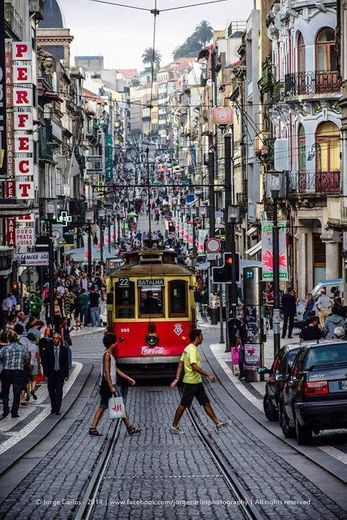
{"points": [[267, 251], [202, 235], [108, 158], [85, 244], [190, 235], [221, 116], [185, 232]]}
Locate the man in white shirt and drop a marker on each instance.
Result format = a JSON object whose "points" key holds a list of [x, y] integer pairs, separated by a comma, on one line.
{"points": [[324, 305]]}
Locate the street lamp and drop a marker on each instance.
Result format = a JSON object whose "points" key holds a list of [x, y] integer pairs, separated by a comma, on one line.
{"points": [[89, 221], [234, 217], [274, 185]]}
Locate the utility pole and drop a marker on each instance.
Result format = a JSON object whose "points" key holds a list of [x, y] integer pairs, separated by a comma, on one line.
{"points": [[276, 281], [109, 232], [211, 174], [149, 200], [89, 250], [51, 271]]}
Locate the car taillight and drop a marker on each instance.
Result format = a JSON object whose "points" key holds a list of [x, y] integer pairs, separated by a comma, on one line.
{"points": [[276, 365], [316, 388]]}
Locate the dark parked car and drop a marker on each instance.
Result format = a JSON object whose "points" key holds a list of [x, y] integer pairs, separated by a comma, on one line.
{"points": [[278, 375], [314, 397]]}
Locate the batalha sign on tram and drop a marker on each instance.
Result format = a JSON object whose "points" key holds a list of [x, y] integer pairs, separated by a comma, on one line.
{"points": [[159, 282]]}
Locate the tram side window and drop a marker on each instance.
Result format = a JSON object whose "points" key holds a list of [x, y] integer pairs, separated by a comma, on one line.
{"points": [[178, 295], [125, 300], [151, 301]]}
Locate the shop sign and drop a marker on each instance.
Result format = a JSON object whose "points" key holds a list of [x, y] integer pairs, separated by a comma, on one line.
{"points": [[25, 236], [25, 190], [2, 93], [34, 259], [11, 232]]}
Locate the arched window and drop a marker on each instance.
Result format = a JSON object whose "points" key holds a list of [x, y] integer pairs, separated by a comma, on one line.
{"points": [[301, 53], [326, 56], [327, 158]]}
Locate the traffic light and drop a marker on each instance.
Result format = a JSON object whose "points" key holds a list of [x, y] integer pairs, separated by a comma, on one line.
{"points": [[229, 271]]}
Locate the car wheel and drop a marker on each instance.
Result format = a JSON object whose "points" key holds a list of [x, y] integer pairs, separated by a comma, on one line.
{"points": [[288, 431], [303, 433], [269, 409]]}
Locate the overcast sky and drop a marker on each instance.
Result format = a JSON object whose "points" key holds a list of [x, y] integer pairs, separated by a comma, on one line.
{"points": [[121, 34]]}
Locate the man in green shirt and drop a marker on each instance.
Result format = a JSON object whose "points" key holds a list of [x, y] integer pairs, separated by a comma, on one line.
{"points": [[190, 364]]}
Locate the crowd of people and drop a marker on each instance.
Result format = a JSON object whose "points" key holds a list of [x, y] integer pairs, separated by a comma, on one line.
{"points": [[323, 317]]}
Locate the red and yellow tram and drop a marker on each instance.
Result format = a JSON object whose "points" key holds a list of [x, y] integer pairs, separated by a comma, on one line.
{"points": [[151, 309]]}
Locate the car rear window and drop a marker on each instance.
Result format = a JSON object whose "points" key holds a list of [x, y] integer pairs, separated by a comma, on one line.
{"points": [[291, 356], [326, 354]]}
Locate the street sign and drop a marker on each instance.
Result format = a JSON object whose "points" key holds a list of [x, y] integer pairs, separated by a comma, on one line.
{"points": [[29, 275], [211, 256], [213, 245], [34, 259]]}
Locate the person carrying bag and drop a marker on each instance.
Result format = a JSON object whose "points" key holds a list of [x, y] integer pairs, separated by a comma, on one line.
{"points": [[109, 388], [116, 406]]}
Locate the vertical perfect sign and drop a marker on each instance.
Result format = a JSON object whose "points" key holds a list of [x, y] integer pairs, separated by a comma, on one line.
{"points": [[2, 92]]}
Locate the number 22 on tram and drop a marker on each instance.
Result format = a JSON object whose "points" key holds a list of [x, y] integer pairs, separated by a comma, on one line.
{"points": [[151, 310]]}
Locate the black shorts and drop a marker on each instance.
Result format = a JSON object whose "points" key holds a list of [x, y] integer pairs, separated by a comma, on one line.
{"points": [[105, 394], [194, 390]]}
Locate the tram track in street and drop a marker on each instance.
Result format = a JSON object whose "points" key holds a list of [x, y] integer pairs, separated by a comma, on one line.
{"points": [[93, 495], [241, 496], [89, 500]]}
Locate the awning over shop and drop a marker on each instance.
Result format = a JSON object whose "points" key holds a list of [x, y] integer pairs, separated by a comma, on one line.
{"points": [[254, 249], [78, 255], [251, 231]]}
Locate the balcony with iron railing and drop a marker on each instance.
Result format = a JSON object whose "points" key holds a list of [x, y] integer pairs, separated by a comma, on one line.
{"points": [[314, 183], [311, 84]]}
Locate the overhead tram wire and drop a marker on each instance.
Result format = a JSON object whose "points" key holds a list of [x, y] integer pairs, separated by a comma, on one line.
{"points": [[116, 4]]}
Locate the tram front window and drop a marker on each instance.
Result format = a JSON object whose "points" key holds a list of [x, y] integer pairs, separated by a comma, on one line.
{"points": [[125, 299], [151, 301]]}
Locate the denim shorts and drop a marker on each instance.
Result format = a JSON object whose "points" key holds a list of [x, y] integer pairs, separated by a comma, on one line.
{"points": [[105, 395]]}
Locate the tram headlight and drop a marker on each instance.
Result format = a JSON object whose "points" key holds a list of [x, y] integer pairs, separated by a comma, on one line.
{"points": [[152, 339]]}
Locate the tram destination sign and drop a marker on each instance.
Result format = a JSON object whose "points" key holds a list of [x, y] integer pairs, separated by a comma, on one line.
{"points": [[153, 282]]}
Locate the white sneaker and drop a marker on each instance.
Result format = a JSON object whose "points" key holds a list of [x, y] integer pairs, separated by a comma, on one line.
{"points": [[222, 425], [176, 430]]}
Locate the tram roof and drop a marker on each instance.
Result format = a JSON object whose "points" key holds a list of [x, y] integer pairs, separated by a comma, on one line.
{"points": [[167, 269]]}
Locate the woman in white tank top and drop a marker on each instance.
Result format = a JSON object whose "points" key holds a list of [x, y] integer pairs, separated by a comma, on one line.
{"points": [[108, 387]]}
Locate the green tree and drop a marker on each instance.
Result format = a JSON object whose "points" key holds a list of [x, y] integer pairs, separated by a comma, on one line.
{"points": [[203, 32], [149, 56], [193, 44]]}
